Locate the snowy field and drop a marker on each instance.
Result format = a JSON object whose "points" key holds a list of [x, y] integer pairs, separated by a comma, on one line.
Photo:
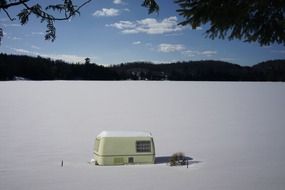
{"points": [[233, 131]]}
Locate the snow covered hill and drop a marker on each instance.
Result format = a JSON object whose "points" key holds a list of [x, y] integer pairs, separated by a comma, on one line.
{"points": [[233, 131]]}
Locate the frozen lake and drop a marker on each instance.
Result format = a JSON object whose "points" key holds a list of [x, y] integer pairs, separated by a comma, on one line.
{"points": [[235, 131]]}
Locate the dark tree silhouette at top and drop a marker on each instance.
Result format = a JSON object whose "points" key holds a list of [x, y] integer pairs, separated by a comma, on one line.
{"points": [[259, 21], [251, 21]]}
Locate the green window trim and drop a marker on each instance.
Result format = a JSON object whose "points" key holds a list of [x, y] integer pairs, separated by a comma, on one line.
{"points": [[143, 146]]}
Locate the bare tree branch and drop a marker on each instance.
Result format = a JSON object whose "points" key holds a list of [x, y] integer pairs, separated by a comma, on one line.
{"points": [[6, 6], [8, 15], [67, 7], [69, 12]]}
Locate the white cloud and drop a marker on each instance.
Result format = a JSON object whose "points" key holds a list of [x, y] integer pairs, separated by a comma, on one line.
{"points": [[11, 25], [166, 48], [149, 26], [65, 57], [174, 34], [123, 25], [11, 38], [16, 38], [278, 51], [105, 12], [207, 53], [118, 2], [227, 59], [35, 47], [37, 33], [137, 43], [198, 28], [23, 51], [190, 53]]}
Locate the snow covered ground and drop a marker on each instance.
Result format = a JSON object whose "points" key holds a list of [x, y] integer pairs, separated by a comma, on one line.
{"points": [[234, 131]]}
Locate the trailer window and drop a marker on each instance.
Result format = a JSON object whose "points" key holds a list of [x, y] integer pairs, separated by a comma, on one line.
{"points": [[143, 146]]}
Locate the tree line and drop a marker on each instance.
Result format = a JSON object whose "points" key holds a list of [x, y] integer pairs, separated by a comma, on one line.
{"points": [[13, 67], [39, 68]]}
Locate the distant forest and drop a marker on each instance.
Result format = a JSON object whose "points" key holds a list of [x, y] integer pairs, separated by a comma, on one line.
{"points": [[20, 67]]}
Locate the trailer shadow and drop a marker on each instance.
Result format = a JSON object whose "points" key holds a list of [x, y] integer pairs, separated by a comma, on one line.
{"points": [[166, 160]]}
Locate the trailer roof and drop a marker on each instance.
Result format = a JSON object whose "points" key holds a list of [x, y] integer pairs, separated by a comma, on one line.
{"points": [[124, 134]]}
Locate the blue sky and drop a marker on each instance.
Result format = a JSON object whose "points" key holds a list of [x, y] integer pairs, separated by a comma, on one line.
{"points": [[118, 31]]}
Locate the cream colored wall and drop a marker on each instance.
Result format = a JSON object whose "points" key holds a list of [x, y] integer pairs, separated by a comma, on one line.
{"points": [[140, 159], [117, 150]]}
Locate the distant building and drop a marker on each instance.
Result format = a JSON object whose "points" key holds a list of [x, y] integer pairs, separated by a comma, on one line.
{"points": [[87, 60], [124, 147]]}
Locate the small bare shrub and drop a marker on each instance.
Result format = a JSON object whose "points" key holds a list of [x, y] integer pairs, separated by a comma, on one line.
{"points": [[177, 159]]}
